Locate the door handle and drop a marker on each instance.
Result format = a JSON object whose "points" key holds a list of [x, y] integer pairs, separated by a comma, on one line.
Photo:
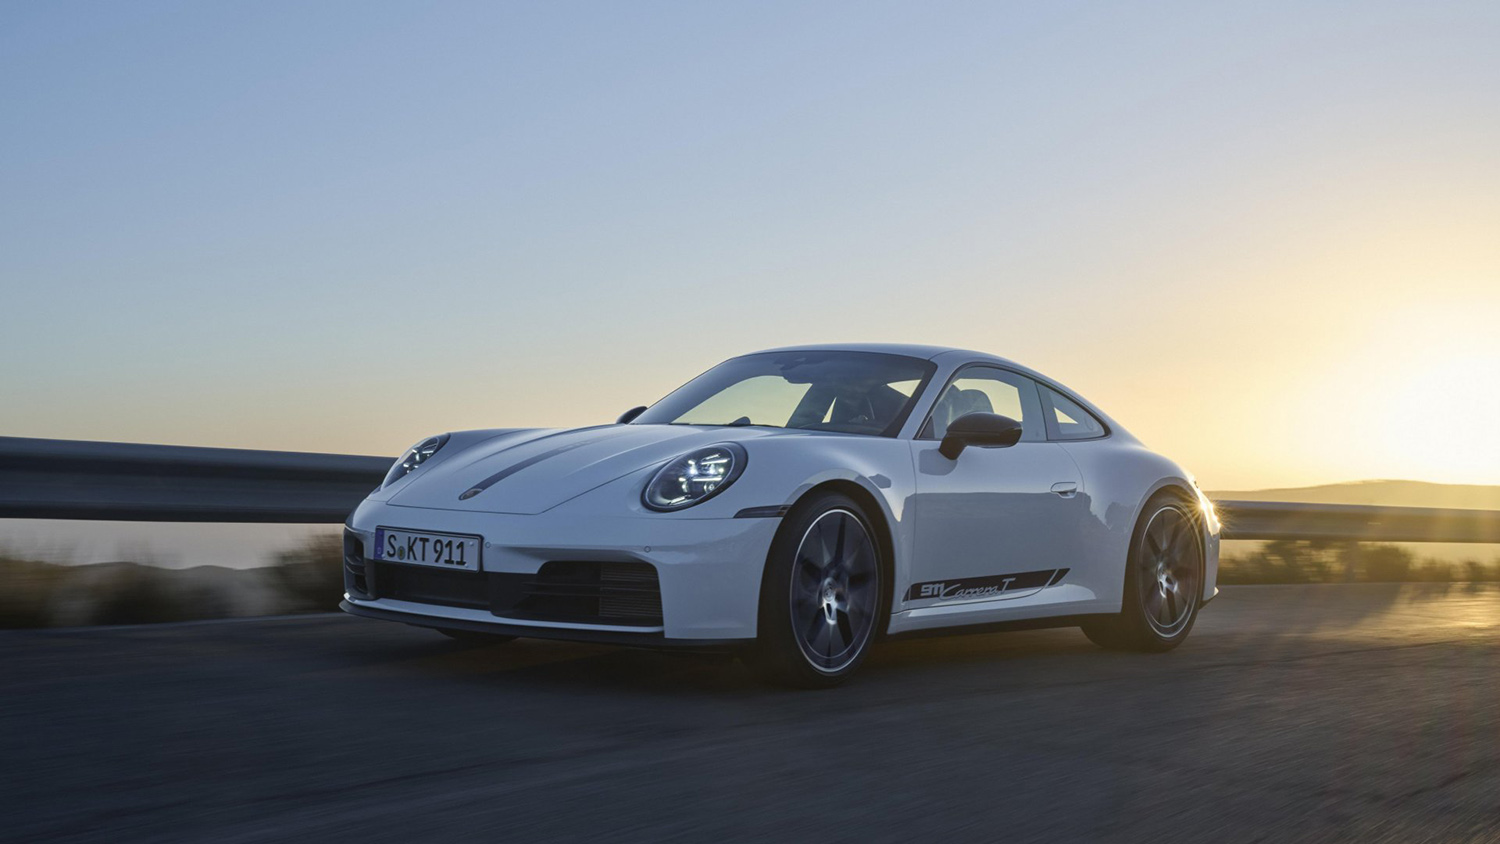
{"points": [[1067, 489]]}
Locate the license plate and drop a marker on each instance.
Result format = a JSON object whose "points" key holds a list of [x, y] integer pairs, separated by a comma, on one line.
{"points": [[441, 550]]}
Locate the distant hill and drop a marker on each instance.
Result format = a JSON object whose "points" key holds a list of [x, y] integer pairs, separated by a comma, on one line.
{"points": [[1386, 493]]}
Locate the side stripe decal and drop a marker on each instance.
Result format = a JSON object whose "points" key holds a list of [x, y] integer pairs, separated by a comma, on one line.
{"points": [[995, 586]]}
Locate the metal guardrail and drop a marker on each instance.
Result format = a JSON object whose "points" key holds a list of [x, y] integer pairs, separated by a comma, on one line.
{"points": [[65, 479], [1355, 522]]}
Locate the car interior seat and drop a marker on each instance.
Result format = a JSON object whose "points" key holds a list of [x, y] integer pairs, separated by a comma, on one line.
{"points": [[955, 403], [872, 409]]}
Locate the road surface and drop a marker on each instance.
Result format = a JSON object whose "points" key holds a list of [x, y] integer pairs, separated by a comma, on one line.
{"points": [[1361, 713]]}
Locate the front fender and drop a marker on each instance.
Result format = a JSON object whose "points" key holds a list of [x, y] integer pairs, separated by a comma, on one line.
{"points": [[779, 472]]}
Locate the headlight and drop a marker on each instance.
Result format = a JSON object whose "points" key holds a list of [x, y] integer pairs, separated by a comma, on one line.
{"points": [[694, 477], [414, 457]]}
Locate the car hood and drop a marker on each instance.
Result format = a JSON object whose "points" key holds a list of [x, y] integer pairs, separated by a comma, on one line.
{"points": [[545, 468]]}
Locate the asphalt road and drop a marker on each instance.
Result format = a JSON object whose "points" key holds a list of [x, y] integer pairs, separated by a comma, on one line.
{"points": [[1362, 713]]}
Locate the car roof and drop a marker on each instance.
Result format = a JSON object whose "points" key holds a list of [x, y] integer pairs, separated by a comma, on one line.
{"points": [[914, 350]]}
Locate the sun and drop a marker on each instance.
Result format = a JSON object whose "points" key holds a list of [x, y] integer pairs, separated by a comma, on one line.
{"points": [[1421, 400]]}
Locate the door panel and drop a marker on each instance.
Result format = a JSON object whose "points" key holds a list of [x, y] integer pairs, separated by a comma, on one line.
{"points": [[989, 526]]}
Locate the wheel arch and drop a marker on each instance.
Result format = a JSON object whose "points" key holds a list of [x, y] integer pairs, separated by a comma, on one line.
{"points": [[880, 522], [1177, 486], [1188, 493]]}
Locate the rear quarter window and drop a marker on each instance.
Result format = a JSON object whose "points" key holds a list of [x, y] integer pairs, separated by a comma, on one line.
{"points": [[1066, 420]]}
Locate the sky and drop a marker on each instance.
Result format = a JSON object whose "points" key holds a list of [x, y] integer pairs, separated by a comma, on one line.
{"points": [[1263, 237]]}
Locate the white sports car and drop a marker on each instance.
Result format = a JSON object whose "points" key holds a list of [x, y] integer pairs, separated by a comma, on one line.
{"points": [[796, 505]]}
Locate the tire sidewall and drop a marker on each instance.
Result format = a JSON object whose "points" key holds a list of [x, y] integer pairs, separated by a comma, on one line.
{"points": [[1133, 611], [777, 652]]}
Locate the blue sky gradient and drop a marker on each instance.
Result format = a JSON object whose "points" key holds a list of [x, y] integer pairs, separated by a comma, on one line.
{"points": [[1260, 236]]}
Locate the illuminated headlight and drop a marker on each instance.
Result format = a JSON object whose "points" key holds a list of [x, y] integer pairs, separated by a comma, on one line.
{"points": [[414, 457], [694, 477]]}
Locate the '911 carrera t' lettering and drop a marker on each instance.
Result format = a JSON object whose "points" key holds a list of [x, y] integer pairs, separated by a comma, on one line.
{"points": [[958, 590], [975, 588]]}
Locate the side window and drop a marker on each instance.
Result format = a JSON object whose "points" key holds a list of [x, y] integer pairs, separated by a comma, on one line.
{"points": [[981, 389], [1066, 420]]}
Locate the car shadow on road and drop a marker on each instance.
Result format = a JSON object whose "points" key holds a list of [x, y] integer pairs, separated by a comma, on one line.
{"points": [[1256, 623], [601, 669]]}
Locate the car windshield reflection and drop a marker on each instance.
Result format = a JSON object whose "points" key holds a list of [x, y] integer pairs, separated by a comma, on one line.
{"points": [[843, 392]]}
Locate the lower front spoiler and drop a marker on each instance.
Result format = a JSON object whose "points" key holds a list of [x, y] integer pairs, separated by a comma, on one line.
{"points": [[655, 641]]}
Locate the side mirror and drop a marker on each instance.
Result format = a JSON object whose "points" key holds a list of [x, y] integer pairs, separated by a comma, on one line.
{"points": [[989, 429], [630, 414]]}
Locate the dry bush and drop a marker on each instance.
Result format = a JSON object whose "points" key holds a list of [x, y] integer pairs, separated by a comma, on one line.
{"points": [[1385, 563], [1286, 561], [311, 576], [28, 590], [143, 594]]}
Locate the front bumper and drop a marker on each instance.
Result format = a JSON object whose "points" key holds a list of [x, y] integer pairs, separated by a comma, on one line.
{"points": [[580, 633], [708, 571]]}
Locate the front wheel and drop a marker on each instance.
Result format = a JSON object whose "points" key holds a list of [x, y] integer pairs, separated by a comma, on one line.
{"points": [[1163, 581], [821, 596]]}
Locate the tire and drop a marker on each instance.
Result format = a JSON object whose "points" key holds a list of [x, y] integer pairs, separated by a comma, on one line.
{"points": [[1163, 570], [474, 638], [823, 595]]}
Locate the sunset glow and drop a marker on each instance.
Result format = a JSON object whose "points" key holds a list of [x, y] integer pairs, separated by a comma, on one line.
{"points": [[1269, 249]]}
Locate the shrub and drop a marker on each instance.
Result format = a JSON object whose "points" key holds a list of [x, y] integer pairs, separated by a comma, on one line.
{"points": [[311, 576], [28, 591], [1477, 572], [1286, 561], [137, 594], [1383, 563], [1434, 571]]}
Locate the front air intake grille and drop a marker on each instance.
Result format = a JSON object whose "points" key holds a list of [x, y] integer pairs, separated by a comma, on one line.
{"points": [[426, 585], [578, 592], [602, 593], [355, 580]]}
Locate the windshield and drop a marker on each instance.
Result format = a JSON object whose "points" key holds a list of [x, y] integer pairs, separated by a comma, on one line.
{"points": [[847, 392]]}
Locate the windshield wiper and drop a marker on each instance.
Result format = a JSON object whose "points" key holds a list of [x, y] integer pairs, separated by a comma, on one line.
{"points": [[742, 422]]}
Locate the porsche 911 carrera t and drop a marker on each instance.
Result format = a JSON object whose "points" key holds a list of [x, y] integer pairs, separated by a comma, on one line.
{"points": [[796, 505]]}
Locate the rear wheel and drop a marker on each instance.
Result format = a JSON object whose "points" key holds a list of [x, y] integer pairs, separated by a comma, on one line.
{"points": [[1163, 581], [821, 596]]}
